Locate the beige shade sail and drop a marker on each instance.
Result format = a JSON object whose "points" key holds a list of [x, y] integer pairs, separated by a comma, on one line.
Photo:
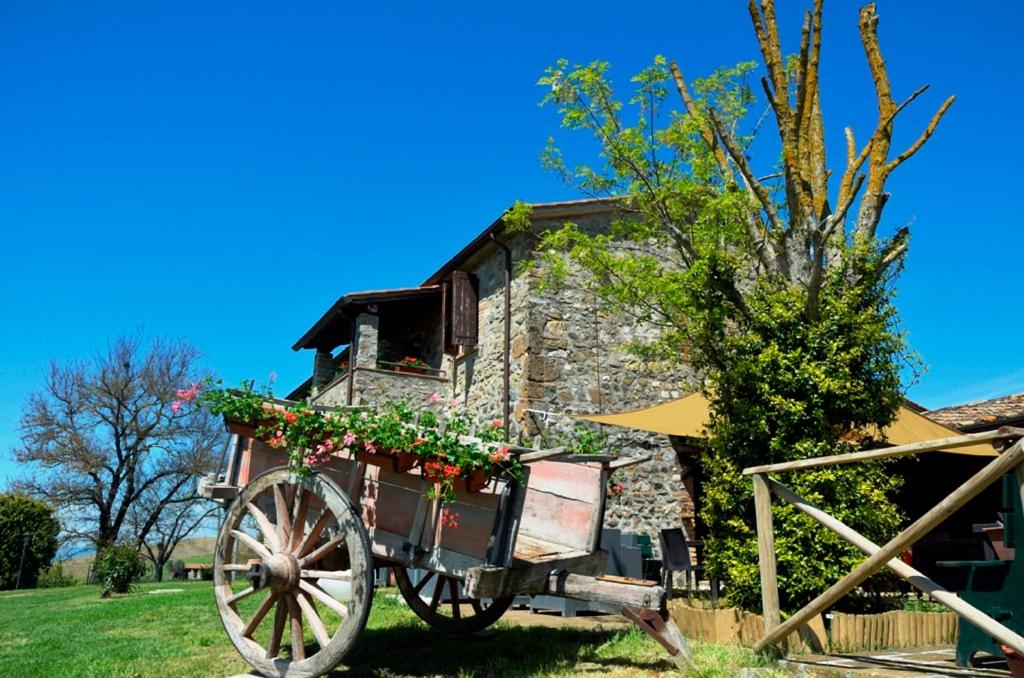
{"points": [[689, 415]]}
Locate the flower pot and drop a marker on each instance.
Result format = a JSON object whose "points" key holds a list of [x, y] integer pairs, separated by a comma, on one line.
{"points": [[476, 480], [396, 459], [409, 369], [245, 429], [405, 461]]}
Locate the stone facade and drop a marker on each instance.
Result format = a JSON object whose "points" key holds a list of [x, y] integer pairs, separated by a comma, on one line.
{"points": [[566, 358]]}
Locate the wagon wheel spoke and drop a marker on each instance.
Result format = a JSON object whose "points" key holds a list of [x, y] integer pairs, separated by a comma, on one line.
{"points": [[239, 596], [251, 542], [270, 537], [280, 616], [325, 574], [315, 623], [436, 598], [477, 607], [453, 593], [261, 612], [298, 644], [299, 518], [314, 533], [284, 527], [319, 553], [324, 597], [423, 582]]}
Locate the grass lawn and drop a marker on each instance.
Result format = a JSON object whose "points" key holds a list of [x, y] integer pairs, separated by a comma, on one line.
{"points": [[72, 632]]}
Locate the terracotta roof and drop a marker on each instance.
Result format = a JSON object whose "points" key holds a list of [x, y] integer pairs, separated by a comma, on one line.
{"points": [[984, 414]]}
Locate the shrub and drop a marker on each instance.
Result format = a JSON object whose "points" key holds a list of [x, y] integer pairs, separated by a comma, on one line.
{"points": [[21, 515], [53, 577], [118, 566], [176, 568]]}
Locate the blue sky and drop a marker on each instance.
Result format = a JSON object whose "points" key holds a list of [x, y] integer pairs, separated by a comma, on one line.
{"points": [[223, 171]]}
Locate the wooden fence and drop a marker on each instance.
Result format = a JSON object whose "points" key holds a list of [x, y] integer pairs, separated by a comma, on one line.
{"points": [[847, 633]]}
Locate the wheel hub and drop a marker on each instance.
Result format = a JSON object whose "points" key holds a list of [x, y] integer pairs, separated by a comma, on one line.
{"points": [[280, 572]]}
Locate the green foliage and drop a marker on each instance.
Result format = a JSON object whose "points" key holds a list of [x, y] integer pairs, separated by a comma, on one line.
{"points": [[786, 389], [799, 355], [176, 568], [21, 515], [53, 577], [118, 566]]}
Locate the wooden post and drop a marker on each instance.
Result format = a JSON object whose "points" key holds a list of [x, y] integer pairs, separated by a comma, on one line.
{"points": [[1004, 433], [920, 527], [766, 553], [914, 577]]}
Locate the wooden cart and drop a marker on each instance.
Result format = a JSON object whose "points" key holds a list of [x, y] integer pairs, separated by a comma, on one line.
{"points": [[296, 554]]}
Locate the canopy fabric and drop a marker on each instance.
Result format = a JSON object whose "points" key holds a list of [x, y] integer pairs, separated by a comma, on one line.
{"points": [[689, 415]]}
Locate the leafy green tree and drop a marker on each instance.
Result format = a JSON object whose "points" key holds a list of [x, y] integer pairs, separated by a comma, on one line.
{"points": [[774, 285], [118, 567], [20, 516]]}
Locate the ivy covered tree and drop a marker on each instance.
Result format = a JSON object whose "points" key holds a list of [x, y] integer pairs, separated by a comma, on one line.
{"points": [[775, 283], [27, 526]]}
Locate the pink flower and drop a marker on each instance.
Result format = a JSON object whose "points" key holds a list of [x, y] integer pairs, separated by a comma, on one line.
{"points": [[328, 444], [291, 417], [175, 406], [435, 398], [495, 423], [449, 518], [369, 447], [453, 403], [348, 438]]}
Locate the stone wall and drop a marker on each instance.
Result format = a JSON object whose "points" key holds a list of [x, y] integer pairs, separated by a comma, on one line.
{"points": [[567, 358]]}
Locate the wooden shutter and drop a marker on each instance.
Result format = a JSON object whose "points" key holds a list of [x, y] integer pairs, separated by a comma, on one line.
{"points": [[464, 309]]}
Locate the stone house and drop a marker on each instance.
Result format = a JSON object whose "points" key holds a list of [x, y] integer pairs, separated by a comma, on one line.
{"points": [[486, 333]]}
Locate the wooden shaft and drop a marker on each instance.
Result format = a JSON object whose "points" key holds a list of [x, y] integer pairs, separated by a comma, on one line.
{"points": [[766, 553], [920, 527], [914, 577], [582, 587], [897, 451]]}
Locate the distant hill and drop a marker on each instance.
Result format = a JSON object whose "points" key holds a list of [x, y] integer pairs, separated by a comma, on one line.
{"points": [[197, 546]]}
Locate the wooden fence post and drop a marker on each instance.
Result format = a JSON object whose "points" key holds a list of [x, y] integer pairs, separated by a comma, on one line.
{"points": [[917, 579], [766, 554], [920, 527]]}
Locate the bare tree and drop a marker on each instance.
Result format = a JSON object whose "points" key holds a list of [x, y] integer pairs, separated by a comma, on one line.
{"points": [[104, 438], [800, 238], [179, 517]]}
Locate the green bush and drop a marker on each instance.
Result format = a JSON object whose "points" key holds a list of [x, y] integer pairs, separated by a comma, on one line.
{"points": [[21, 515], [794, 390], [53, 577], [118, 566], [176, 568]]}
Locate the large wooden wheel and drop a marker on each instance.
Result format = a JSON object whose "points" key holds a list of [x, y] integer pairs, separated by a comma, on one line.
{"points": [[457, 616], [296, 547]]}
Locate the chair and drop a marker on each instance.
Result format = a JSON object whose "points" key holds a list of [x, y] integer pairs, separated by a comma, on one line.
{"points": [[996, 587], [675, 557]]}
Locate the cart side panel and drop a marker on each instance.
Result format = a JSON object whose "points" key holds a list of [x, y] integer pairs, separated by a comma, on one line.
{"points": [[257, 457], [564, 504]]}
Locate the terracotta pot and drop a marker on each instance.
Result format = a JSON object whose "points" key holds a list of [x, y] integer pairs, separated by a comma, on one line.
{"points": [[245, 429], [405, 461], [397, 460], [476, 480]]}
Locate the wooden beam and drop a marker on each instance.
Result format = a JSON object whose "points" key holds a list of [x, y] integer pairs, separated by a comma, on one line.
{"points": [[766, 553], [914, 577], [898, 451], [920, 527], [581, 587]]}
